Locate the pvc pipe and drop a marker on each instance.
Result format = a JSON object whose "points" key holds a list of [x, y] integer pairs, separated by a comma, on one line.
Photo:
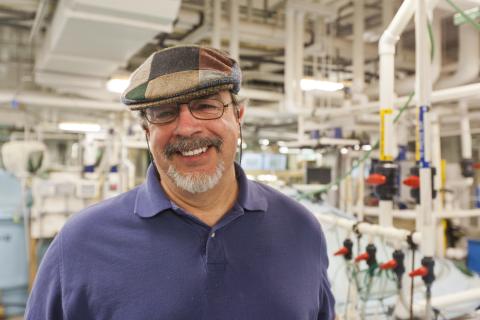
{"points": [[40, 13], [361, 191], [437, 203], [470, 213], [375, 211], [36, 99], [412, 214], [422, 56], [386, 50], [369, 229], [358, 57], [466, 91], [406, 85], [385, 217], [234, 29], [468, 61], [289, 83], [466, 135], [447, 300], [217, 24], [298, 43]]}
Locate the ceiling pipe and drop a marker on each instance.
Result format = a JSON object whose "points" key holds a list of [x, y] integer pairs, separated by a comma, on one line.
{"points": [[217, 24], [406, 85], [40, 13], [468, 58], [234, 29], [359, 56]]}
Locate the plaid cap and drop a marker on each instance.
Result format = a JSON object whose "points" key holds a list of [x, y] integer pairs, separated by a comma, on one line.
{"points": [[179, 74]]}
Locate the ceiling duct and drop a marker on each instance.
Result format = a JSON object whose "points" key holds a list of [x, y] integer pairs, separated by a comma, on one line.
{"points": [[91, 39]]}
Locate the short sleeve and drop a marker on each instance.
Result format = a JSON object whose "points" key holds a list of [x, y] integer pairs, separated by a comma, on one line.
{"points": [[45, 300]]}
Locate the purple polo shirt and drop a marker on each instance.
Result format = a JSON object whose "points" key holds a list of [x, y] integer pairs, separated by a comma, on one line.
{"points": [[138, 256]]}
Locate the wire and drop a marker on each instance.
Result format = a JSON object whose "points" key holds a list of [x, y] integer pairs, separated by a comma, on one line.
{"points": [[411, 284], [432, 40], [464, 15]]}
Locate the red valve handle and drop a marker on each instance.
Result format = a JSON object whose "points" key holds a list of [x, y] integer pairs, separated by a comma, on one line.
{"points": [[412, 182], [391, 264], [341, 252], [422, 271], [376, 179], [363, 256]]}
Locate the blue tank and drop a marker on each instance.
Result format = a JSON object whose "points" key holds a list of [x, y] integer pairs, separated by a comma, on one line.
{"points": [[13, 253]]}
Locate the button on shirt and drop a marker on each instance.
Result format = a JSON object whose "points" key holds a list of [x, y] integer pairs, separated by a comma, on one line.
{"points": [[139, 256]]}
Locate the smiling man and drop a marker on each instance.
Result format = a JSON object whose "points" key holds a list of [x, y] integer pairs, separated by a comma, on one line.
{"points": [[197, 240]]}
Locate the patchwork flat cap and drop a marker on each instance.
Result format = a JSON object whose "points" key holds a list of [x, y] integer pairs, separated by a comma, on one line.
{"points": [[179, 74]]}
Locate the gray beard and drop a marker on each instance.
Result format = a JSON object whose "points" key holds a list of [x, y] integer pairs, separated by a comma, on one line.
{"points": [[196, 182]]}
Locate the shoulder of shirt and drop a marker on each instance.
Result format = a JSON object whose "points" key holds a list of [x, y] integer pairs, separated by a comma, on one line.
{"points": [[105, 212]]}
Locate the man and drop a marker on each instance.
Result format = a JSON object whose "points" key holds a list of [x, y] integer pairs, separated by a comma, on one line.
{"points": [[197, 240]]}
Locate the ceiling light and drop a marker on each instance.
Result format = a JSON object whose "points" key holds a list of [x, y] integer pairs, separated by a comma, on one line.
{"points": [[283, 150], [312, 84], [117, 85], [79, 127], [264, 142]]}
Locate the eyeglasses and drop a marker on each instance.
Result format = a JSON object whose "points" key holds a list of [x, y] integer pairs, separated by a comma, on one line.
{"points": [[202, 109]]}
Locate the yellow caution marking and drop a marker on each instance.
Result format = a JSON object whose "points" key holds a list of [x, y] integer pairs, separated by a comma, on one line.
{"points": [[384, 113]]}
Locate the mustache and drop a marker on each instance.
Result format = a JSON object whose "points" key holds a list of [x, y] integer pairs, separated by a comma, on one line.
{"points": [[183, 144]]}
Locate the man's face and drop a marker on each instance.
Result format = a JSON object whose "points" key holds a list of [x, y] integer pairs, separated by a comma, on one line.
{"points": [[193, 153]]}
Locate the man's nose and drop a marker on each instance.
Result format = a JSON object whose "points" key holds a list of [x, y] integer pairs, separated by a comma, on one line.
{"points": [[187, 124]]}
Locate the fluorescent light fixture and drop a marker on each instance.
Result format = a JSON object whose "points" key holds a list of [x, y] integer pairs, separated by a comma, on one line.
{"points": [[312, 84], [264, 142], [117, 85], [79, 127], [283, 150]]}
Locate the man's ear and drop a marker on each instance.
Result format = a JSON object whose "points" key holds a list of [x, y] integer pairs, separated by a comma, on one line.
{"points": [[240, 112]]}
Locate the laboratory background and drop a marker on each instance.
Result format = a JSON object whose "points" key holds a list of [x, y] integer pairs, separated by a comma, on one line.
{"points": [[367, 112]]}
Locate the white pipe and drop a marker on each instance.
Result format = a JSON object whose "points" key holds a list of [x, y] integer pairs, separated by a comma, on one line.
{"points": [[39, 15], [37, 99], [437, 163], [386, 50], [466, 136], [466, 91], [458, 213], [423, 90], [468, 61], [217, 24], [289, 83], [369, 229], [444, 301], [385, 217], [405, 86], [358, 57], [234, 29], [299, 37], [361, 191]]}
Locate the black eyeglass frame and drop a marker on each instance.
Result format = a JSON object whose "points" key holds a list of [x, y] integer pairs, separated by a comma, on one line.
{"points": [[189, 104]]}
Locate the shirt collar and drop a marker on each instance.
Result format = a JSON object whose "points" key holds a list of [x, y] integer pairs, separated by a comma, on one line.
{"points": [[250, 195], [151, 198]]}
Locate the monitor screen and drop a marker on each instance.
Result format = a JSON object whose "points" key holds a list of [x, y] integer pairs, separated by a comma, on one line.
{"points": [[320, 175]]}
